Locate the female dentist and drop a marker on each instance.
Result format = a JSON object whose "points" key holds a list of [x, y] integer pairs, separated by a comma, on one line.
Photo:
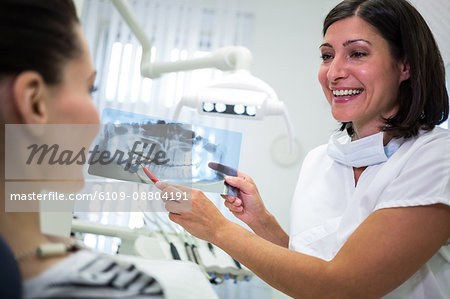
{"points": [[371, 212]]}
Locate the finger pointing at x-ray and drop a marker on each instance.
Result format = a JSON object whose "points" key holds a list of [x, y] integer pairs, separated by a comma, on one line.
{"points": [[177, 198]]}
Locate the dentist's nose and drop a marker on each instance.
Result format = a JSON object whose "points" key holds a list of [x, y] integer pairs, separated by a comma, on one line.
{"points": [[337, 70]]}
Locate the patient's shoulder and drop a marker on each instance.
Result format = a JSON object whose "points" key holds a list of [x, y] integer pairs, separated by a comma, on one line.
{"points": [[91, 274]]}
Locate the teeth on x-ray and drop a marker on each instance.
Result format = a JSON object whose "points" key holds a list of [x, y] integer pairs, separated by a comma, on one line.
{"points": [[174, 152]]}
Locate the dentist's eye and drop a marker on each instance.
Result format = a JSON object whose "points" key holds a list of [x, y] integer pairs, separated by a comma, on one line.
{"points": [[326, 57], [358, 54]]}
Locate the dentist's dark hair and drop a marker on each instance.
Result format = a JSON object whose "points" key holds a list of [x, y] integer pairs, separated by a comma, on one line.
{"points": [[37, 36], [423, 98]]}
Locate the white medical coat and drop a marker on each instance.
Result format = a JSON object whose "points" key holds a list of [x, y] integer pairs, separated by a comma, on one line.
{"points": [[327, 207]]}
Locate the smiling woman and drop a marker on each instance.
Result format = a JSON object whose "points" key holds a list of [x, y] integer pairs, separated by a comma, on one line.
{"points": [[371, 212], [359, 76], [405, 47]]}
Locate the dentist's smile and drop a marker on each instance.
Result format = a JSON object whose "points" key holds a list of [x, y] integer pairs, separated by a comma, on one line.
{"points": [[343, 95]]}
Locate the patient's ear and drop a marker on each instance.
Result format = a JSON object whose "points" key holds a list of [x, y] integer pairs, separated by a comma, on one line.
{"points": [[30, 96]]}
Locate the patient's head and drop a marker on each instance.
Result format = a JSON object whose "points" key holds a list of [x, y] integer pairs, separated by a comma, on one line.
{"points": [[46, 77], [46, 73]]}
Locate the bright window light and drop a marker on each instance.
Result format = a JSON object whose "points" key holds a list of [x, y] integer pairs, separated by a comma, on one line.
{"points": [[181, 78], [146, 89], [101, 243], [113, 72], [153, 54], [175, 54], [147, 83], [90, 240], [136, 220], [170, 87], [171, 83], [136, 80], [125, 73]]}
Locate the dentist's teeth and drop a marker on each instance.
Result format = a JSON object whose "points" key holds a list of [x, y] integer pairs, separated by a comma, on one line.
{"points": [[347, 92]]}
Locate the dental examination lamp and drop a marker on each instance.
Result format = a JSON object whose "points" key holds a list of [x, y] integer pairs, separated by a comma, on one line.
{"points": [[238, 95]]}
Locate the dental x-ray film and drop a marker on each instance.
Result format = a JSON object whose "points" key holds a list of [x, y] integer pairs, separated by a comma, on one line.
{"points": [[174, 152]]}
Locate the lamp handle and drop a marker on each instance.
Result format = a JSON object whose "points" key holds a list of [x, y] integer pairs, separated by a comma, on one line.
{"points": [[225, 59]]}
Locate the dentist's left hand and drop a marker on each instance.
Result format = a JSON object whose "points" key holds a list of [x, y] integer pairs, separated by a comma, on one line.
{"points": [[198, 215]]}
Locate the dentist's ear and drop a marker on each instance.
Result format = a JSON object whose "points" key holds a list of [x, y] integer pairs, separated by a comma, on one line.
{"points": [[30, 96], [404, 70]]}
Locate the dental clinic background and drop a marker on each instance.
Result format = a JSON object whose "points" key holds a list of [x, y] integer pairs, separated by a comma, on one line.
{"points": [[284, 38]]}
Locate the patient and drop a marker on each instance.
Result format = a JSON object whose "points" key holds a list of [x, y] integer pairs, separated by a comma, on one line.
{"points": [[46, 77], [10, 282]]}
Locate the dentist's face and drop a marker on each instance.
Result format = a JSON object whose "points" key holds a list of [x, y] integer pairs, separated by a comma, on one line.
{"points": [[358, 74]]}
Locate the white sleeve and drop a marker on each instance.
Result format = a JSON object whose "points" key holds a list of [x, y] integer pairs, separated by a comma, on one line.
{"points": [[423, 177]]}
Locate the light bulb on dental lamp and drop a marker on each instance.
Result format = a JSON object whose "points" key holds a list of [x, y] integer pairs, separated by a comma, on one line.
{"points": [[238, 95]]}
